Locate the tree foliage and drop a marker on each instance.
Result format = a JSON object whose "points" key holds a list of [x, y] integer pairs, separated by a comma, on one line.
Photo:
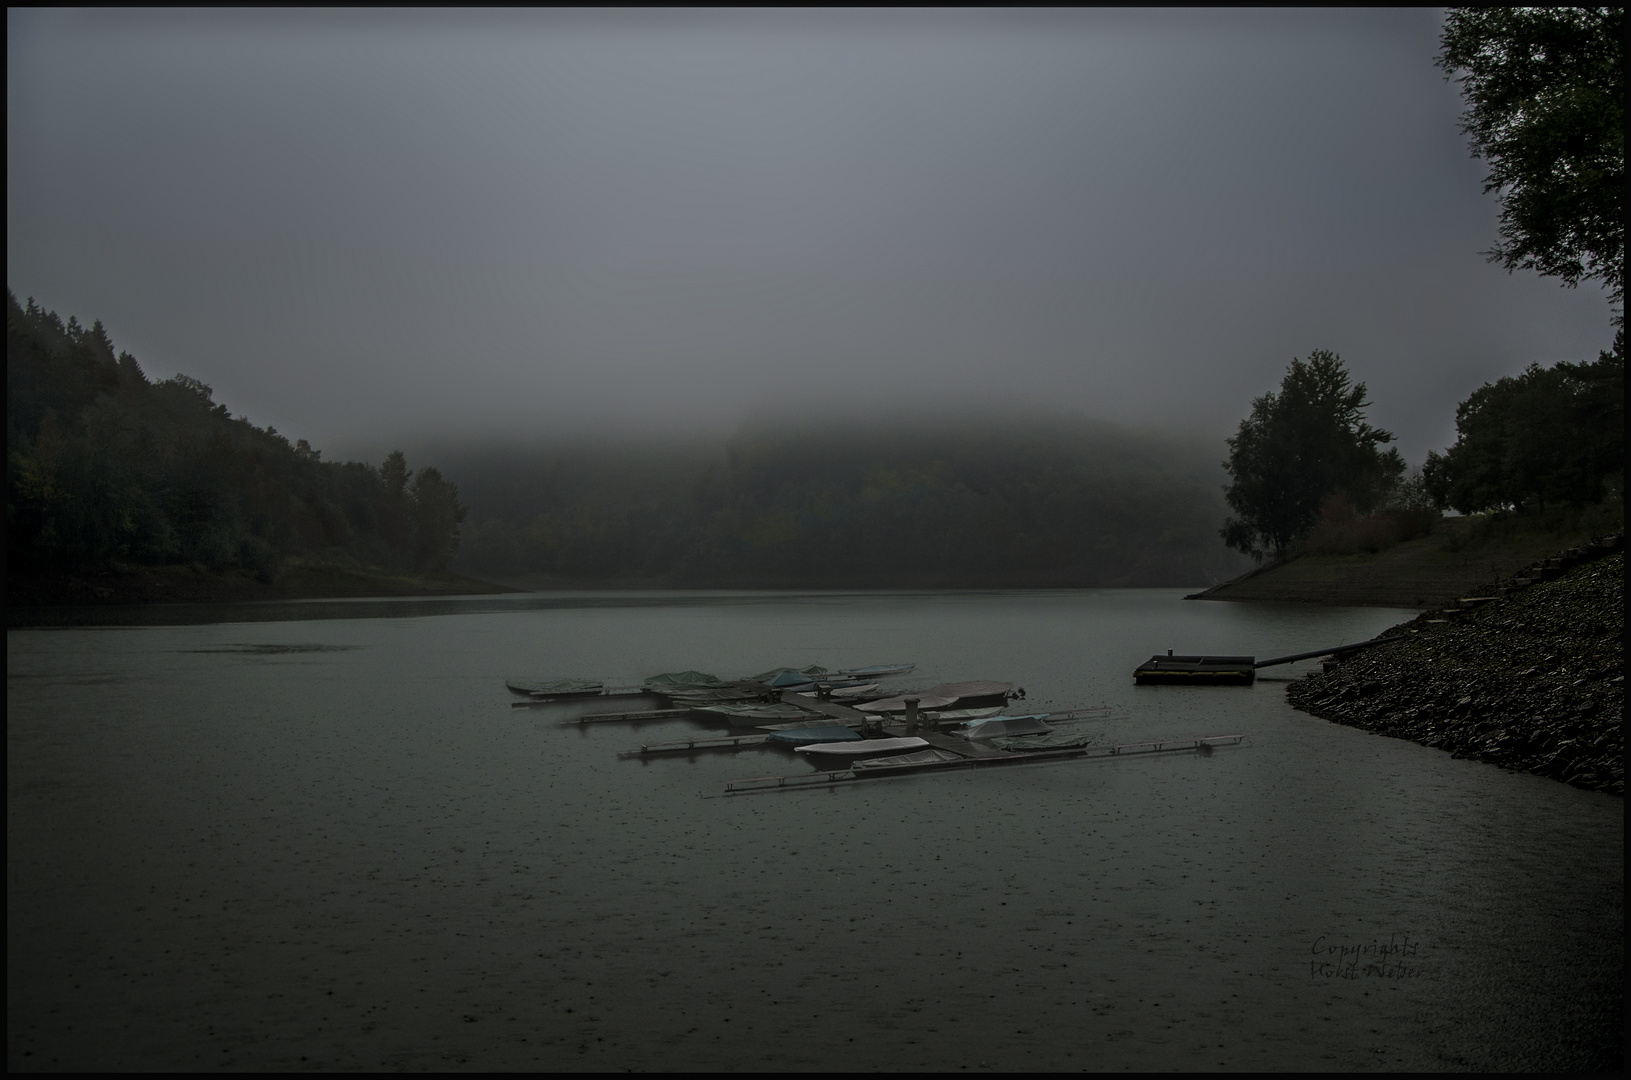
{"points": [[103, 465], [1546, 108], [1550, 435], [1298, 448]]}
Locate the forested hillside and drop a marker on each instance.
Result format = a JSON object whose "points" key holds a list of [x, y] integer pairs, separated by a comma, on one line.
{"points": [[964, 501], [105, 467]]}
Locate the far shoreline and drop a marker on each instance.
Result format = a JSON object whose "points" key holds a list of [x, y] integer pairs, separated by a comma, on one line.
{"points": [[131, 585]]}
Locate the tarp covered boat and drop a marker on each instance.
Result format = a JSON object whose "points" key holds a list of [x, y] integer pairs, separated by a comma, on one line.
{"points": [[947, 715], [864, 747], [999, 726], [932, 756], [786, 678], [975, 692], [898, 704], [710, 695], [684, 680], [805, 736], [843, 693], [1059, 740], [876, 671], [555, 687], [754, 713]]}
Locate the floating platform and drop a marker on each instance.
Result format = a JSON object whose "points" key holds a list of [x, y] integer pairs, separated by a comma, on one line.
{"points": [[1197, 670], [827, 778], [1229, 670], [628, 717]]}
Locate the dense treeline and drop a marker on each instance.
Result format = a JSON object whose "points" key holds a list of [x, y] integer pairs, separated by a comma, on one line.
{"points": [[1547, 436], [104, 466], [1309, 475], [966, 502]]}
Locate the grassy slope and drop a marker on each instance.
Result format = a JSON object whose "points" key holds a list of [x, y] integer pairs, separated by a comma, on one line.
{"points": [[1462, 557]]}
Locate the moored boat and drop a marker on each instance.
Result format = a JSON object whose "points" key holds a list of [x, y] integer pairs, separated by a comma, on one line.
{"points": [[555, 687], [876, 671], [809, 736], [931, 756], [864, 747], [898, 704], [998, 727]]}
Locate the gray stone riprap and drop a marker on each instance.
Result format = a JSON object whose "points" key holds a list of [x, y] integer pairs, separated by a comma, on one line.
{"points": [[1532, 680]]}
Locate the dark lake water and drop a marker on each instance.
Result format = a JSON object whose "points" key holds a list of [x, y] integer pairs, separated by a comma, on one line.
{"points": [[222, 853]]}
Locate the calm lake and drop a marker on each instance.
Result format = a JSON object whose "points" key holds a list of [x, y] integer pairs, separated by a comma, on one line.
{"points": [[226, 853]]}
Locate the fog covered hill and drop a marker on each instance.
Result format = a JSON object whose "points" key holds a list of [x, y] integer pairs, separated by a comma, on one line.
{"points": [[107, 470], [960, 501]]}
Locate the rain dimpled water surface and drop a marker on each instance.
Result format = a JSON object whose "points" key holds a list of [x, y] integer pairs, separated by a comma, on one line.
{"points": [[321, 837]]}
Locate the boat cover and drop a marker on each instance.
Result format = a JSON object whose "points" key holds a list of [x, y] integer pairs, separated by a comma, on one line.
{"points": [[865, 746], [898, 704], [709, 696], [847, 692], [877, 671], [944, 715], [978, 688], [549, 687], [932, 756], [748, 714], [1059, 740], [786, 676], [999, 726], [830, 733], [675, 680]]}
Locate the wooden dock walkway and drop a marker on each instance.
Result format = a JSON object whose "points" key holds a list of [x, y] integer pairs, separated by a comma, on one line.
{"points": [[567, 699], [627, 717], [805, 781], [701, 742]]}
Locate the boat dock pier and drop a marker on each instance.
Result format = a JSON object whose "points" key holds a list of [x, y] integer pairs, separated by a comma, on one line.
{"points": [[627, 717], [1227, 670], [534, 700], [701, 742], [806, 781]]}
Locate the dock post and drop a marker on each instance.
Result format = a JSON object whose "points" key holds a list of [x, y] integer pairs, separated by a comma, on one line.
{"points": [[911, 715]]}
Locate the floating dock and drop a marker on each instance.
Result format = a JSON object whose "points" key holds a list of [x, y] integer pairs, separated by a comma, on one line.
{"points": [[534, 700], [702, 742], [807, 781], [627, 717], [1227, 670], [1190, 670]]}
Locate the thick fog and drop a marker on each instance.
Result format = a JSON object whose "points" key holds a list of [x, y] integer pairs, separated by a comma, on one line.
{"points": [[369, 228]]}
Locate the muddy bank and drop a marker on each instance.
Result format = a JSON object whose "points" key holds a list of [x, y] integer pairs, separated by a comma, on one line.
{"points": [[1532, 679], [196, 585]]}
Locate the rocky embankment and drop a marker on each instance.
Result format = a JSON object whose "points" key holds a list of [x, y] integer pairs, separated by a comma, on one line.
{"points": [[1530, 679]]}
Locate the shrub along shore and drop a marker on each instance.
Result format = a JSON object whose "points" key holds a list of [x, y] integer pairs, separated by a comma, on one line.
{"points": [[1531, 679]]}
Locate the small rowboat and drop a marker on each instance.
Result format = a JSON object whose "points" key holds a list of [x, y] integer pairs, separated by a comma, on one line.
{"points": [[931, 756], [864, 747], [876, 671], [556, 687], [925, 702]]}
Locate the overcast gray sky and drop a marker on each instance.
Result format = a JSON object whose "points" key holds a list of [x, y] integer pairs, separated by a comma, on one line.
{"points": [[375, 226]]}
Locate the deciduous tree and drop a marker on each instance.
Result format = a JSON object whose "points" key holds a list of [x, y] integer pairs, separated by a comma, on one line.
{"points": [[1299, 447], [1545, 89]]}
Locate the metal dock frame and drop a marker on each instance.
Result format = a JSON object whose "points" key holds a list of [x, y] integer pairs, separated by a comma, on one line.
{"points": [[759, 784]]}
